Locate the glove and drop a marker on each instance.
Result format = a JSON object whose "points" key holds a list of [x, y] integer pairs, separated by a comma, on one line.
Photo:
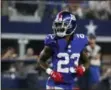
{"points": [[56, 76], [80, 70]]}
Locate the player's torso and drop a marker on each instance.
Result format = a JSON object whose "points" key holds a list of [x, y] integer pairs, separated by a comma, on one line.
{"points": [[66, 56]]}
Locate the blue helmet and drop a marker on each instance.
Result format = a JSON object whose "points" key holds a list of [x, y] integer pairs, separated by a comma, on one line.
{"points": [[64, 24]]}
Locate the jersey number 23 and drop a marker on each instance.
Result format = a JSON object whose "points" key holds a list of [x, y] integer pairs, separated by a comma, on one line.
{"points": [[66, 61]]}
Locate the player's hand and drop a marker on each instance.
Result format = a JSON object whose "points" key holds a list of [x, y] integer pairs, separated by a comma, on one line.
{"points": [[80, 70], [56, 76]]}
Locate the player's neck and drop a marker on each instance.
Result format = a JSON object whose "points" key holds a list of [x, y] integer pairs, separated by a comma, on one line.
{"points": [[67, 38]]}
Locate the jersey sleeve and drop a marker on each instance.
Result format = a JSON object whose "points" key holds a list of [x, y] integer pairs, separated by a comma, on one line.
{"points": [[83, 38], [49, 40]]}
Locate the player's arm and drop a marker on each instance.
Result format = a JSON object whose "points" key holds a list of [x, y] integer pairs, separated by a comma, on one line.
{"points": [[45, 54], [83, 63], [84, 60]]}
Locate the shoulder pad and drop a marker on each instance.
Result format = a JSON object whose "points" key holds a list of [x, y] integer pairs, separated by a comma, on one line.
{"points": [[50, 38], [82, 37]]}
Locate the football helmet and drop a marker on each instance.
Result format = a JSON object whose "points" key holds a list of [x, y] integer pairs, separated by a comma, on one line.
{"points": [[64, 24]]}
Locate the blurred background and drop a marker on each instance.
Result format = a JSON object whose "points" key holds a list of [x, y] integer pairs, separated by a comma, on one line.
{"points": [[24, 25]]}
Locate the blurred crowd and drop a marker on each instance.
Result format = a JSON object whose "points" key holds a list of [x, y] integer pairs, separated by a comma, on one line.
{"points": [[91, 9], [83, 9], [10, 54]]}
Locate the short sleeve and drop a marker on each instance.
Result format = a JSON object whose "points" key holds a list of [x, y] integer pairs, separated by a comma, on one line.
{"points": [[83, 38], [49, 40]]}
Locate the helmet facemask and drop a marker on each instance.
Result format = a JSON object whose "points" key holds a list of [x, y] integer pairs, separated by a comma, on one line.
{"points": [[62, 29]]}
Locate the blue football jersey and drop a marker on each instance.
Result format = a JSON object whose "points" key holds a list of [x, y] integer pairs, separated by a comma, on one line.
{"points": [[66, 55]]}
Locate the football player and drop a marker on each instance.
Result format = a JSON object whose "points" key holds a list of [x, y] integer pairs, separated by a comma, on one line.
{"points": [[65, 47]]}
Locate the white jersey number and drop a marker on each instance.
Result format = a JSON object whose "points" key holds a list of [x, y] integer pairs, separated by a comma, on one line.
{"points": [[80, 36], [66, 62]]}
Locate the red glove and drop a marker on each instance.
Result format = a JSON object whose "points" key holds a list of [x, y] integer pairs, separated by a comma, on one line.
{"points": [[80, 70], [56, 76]]}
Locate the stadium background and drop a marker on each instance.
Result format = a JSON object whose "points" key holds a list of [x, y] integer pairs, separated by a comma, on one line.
{"points": [[24, 25]]}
